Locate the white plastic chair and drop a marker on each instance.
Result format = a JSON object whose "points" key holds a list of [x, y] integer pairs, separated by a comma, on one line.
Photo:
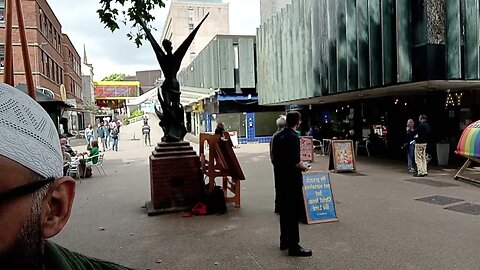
{"points": [[98, 165], [317, 144], [73, 168]]}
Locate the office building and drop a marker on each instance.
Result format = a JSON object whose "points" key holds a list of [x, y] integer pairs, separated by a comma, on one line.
{"points": [[184, 16]]}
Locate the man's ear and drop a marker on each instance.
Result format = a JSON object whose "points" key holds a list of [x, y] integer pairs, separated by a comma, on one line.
{"points": [[57, 206]]}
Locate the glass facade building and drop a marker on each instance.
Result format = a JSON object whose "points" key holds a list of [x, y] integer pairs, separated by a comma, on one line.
{"points": [[363, 64], [319, 48]]}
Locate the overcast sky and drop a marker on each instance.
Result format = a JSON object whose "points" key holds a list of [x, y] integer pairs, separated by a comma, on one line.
{"points": [[114, 52]]}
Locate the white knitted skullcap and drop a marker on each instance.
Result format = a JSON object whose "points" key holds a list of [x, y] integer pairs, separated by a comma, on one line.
{"points": [[28, 135]]}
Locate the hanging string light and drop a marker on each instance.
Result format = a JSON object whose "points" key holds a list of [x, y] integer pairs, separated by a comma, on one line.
{"points": [[449, 101], [459, 98]]}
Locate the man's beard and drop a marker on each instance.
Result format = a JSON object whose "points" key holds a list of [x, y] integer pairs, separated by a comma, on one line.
{"points": [[27, 250]]}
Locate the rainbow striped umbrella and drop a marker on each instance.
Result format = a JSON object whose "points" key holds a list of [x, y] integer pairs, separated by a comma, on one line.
{"points": [[469, 144]]}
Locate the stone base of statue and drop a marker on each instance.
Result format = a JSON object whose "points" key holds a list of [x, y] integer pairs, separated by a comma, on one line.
{"points": [[176, 179]]}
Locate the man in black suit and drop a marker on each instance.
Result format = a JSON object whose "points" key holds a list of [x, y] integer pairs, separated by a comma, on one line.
{"points": [[288, 167]]}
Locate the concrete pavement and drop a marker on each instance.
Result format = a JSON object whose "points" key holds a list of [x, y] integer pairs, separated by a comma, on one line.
{"points": [[381, 225]]}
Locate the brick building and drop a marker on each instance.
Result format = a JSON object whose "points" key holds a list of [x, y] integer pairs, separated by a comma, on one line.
{"points": [[45, 47], [72, 78]]}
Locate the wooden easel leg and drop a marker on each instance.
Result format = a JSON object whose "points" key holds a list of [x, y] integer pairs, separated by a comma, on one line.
{"points": [[26, 57], [458, 175], [8, 77], [225, 186], [237, 193]]}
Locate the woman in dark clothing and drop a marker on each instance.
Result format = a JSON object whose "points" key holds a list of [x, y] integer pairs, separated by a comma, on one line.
{"points": [[409, 145], [220, 129]]}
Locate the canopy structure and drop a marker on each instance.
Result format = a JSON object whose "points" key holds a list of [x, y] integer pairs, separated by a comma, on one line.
{"points": [[469, 147], [469, 144], [189, 95]]}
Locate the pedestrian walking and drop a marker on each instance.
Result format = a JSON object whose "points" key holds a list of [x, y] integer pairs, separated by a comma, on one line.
{"points": [[89, 134], [288, 167], [146, 133], [421, 135], [409, 145], [101, 138], [118, 125], [106, 130], [281, 123], [114, 138]]}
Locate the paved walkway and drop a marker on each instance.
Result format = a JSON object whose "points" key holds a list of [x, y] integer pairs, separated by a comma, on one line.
{"points": [[381, 224]]}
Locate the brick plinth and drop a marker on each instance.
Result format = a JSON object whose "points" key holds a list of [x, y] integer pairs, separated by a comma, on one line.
{"points": [[176, 179]]}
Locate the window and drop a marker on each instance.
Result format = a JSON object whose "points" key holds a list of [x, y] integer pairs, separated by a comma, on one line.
{"points": [[47, 66], [191, 13], [45, 26], [43, 62], [55, 43], [2, 56], [52, 72], [191, 27], [192, 56], [50, 31], [2, 11], [57, 74]]}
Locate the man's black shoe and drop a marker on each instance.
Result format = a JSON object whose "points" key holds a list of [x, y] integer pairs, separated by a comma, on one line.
{"points": [[419, 175], [283, 246], [300, 252]]}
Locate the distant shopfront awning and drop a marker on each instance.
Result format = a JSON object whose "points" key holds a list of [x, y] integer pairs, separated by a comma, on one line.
{"points": [[188, 96], [43, 99]]}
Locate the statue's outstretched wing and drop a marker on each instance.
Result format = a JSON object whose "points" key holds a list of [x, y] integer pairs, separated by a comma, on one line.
{"points": [[182, 50], [156, 47]]}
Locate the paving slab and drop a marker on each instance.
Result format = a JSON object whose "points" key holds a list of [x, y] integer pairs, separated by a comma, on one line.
{"points": [[381, 226]]}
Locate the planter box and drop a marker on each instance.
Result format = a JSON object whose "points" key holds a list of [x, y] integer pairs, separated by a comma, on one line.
{"points": [[443, 152]]}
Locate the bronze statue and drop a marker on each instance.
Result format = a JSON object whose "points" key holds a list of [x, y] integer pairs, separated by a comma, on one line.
{"points": [[172, 119]]}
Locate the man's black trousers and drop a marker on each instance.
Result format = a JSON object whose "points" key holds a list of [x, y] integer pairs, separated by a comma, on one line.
{"points": [[291, 207]]}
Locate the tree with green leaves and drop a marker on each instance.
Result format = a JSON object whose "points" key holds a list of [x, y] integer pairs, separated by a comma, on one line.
{"points": [[115, 77], [128, 11]]}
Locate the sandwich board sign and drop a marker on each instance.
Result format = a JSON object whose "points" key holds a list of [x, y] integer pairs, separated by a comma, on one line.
{"points": [[342, 156], [306, 149], [318, 197]]}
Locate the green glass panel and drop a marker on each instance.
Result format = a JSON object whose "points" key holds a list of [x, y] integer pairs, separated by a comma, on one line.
{"points": [[332, 74], [308, 48], [388, 28], [230, 63], [284, 55], [302, 57], [352, 63], [260, 67], [375, 43], [216, 68], [324, 48], [453, 30], [404, 63], [316, 48], [290, 56], [296, 49], [341, 46], [471, 39], [419, 22], [363, 47]]}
